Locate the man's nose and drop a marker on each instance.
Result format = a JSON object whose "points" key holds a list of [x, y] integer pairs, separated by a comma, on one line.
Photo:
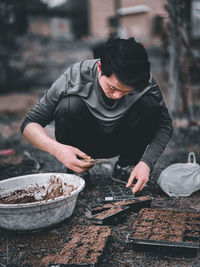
{"points": [[117, 94]]}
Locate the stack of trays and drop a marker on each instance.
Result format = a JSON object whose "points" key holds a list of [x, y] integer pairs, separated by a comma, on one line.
{"points": [[111, 213]]}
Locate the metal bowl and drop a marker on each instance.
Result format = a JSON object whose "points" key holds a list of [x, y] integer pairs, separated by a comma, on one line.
{"points": [[43, 213]]}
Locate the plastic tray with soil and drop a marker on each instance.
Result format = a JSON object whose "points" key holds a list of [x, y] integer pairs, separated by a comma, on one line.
{"points": [[133, 204], [112, 215], [85, 248], [115, 193], [158, 227], [74, 265]]}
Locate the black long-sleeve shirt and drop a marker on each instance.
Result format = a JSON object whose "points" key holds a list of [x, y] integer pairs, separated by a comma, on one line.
{"points": [[82, 79]]}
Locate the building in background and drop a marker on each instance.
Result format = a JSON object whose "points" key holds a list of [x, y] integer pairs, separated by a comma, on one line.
{"points": [[35, 39], [67, 19], [142, 19]]}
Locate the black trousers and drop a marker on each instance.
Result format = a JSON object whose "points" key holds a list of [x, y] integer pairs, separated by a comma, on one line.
{"points": [[128, 139]]}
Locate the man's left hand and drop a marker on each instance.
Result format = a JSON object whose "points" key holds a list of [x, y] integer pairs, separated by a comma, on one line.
{"points": [[141, 173]]}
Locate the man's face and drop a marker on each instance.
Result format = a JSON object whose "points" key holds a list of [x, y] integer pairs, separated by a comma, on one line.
{"points": [[111, 86]]}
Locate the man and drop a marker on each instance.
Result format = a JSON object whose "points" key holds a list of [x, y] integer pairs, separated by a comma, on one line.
{"points": [[104, 108]]}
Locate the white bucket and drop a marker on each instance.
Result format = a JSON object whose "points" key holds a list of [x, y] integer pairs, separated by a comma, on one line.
{"points": [[43, 213]]}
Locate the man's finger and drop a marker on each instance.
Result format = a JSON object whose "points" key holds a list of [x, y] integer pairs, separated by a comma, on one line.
{"points": [[84, 163], [142, 187], [81, 154], [84, 159], [130, 180], [82, 166], [78, 169], [138, 185]]}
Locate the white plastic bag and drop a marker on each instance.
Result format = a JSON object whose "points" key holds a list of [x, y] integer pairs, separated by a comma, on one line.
{"points": [[181, 179]]}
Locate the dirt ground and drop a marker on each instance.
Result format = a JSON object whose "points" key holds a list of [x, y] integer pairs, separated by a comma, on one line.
{"points": [[35, 248]]}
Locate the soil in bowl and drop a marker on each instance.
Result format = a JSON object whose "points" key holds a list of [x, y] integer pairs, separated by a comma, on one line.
{"points": [[55, 189]]}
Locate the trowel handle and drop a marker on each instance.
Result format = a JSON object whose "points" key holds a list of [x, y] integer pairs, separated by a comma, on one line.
{"points": [[7, 152]]}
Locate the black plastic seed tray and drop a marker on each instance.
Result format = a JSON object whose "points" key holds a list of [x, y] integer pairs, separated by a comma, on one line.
{"points": [[75, 265], [85, 247], [134, 204], [165, 243], [95, 209], [109, 216], [115, 193], [167, 228]]}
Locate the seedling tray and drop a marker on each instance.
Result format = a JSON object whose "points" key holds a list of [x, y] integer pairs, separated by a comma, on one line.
{"points": [[84, 248], [95, 209], [75, 265], [109, 216], [133, 204], [115, 193], [158, 227]]}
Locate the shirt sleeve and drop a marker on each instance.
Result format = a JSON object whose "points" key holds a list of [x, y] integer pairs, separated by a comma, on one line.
{"points": [[163, 134], [43, 112]]}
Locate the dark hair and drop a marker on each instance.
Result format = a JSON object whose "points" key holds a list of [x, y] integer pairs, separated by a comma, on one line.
{"points": [[127, 60]]}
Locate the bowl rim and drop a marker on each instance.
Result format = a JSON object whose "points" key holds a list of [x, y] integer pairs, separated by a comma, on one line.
{"points": [[43, 202]]}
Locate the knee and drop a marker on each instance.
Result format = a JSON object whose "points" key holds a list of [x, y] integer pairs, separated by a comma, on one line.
{"points": [[71, 105]]}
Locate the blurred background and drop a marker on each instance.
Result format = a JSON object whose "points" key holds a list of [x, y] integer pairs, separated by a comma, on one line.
{"points": [[39, 39]]}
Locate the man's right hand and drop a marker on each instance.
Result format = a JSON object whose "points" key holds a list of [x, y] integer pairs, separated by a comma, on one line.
{"points": [[73, 158], [70, 156]]}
